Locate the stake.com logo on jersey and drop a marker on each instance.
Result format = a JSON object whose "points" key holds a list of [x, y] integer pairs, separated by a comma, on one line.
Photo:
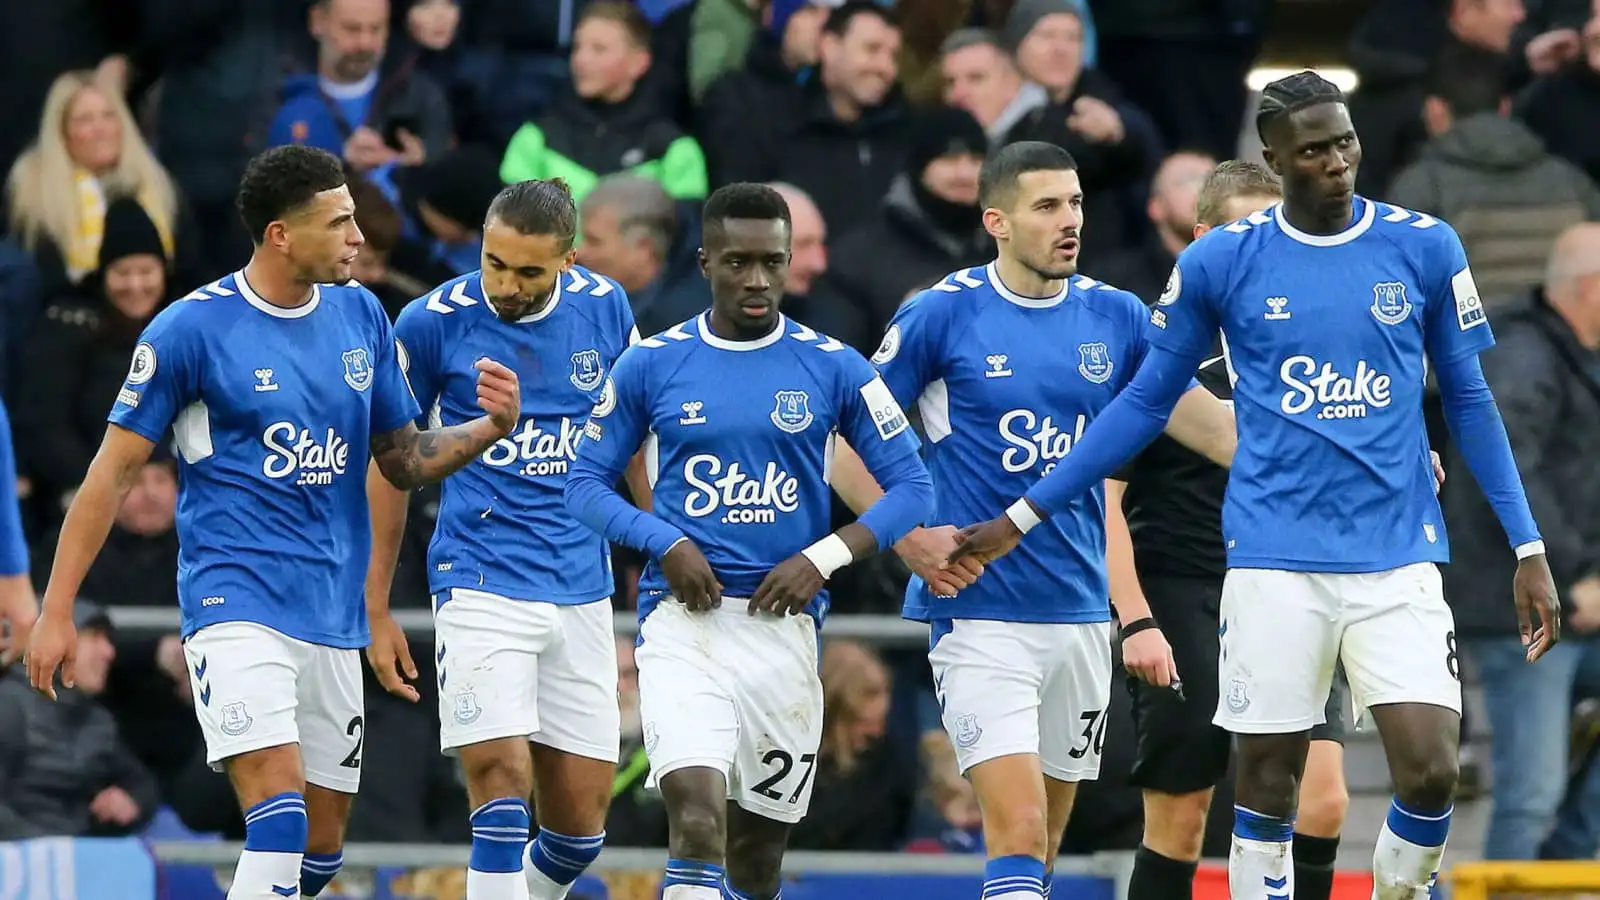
{"points": [[294, 452], [718, 487], [1329, 392]]}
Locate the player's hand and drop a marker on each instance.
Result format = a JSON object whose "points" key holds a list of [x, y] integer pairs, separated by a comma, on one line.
{"points": [[413, 152], [1549, 51], [1148, 657], [787, 589], [16, 624], [1438, 470], [53, 645], [114, 806], [389, 655], [986, 541], [1535, 593], [927, 551], [499, 394], [690, 577], [365, 150]]}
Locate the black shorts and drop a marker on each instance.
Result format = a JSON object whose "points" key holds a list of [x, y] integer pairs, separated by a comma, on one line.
{"points": [[1179, 750]]}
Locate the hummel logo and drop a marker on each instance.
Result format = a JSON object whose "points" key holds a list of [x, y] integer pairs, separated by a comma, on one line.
{"points": [[1277, 309], [691, 413], [997, 366], [264, 376]]}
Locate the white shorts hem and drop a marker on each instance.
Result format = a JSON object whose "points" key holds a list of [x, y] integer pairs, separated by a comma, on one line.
{"points": [[1454, 704], [218, 756], [1282, 726], [455, 740], [702, 762], [787, 817], [342, 784], [584, 749], [1070, 776]]}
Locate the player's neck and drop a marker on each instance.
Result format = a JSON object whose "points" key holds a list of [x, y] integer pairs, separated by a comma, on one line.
{"points": [[275, 285], [1024, 281], [728, 331], [1317, 222]]}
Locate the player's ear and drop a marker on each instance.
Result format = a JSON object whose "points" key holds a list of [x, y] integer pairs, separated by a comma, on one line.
{"points": [[1271, 159], [276, 235], [1199, 229], [704, 261], [994, 222]]}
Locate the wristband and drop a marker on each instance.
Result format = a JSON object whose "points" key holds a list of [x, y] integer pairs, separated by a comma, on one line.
{"points": [[829, 555], [1138, 625], [1531, 548], [1022, 515]]}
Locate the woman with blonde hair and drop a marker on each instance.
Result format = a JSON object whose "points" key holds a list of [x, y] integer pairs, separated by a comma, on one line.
{"points": [[88, 149], [865, 785]]}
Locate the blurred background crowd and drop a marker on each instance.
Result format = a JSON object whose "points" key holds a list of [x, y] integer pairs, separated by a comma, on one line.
{"points": [[127, 125]]}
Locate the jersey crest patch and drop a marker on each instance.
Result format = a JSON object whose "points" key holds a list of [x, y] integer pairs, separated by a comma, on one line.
{"points": [[1174, 286], [1094, 362], [889, 347], [143, 367], [358, 368], [1389, 303], [587, 371], [793, 411]]}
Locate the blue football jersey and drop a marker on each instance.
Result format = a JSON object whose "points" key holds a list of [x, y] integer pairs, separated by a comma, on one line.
{"points": [[739, 436], [503, 526], [271, 411], [1005, 384], [1327, 338]]}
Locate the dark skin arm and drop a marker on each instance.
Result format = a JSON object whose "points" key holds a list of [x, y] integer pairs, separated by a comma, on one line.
{"points": [[787, 589], [410, 458]]}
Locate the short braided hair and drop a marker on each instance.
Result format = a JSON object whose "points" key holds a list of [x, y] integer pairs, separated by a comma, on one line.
{"points": [[1290, 94]]}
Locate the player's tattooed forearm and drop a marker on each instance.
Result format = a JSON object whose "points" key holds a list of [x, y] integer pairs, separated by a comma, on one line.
{"points": [[410, 458]]}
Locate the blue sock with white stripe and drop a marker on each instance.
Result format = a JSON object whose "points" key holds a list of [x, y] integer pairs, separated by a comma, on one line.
{"points": [[554, 861], [274, 839], [691, 879], [1405, 861], [317, 869], [1261, 860], [499, 832], [1013, 878], [729, 892]]}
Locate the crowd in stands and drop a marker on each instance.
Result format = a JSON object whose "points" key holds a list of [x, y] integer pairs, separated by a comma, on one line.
{"points": [[128, 125]]}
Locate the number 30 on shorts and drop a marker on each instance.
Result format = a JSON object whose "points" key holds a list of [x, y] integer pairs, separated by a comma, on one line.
{"points": [[782, 763], [1452, 662]]}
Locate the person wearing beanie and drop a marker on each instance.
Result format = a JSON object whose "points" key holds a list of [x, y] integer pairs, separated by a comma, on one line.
{"points": [[75, 361], [927, 225], [606, 122], [442, 205]]}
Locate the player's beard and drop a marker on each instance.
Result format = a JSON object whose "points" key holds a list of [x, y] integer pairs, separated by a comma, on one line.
{"points": [[1051, 269], [512, 310]]}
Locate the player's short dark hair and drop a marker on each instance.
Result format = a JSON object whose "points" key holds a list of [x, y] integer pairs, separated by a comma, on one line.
{"points": [[741, 200], [844, 15], [538, 207], [1290, 94], [1468, 79], [1230, 180], [997, 180], [281, 181], [628, 16]]}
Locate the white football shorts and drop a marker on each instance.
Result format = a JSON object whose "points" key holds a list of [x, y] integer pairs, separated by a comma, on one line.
{"points": [[738, 693], [514, 668], [1282, 632], [256, 688], [1024, 687]]}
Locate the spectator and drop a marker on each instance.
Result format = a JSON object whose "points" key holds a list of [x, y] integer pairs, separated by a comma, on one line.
{"points": [[637, 817], [1561, 107], [381, 225], [862, 793], [981, 77], [1490, 177], [927, 226], [39, 41], [605, 123], [139, 565], [1111, 140], [769, 79], [1545, 374], [20, 305], [362, 100], [78, 357], [64, 769], [1143, 271], [444, 203], [1184, 62], [633, 232], [88, 149], [803, 298], [840, 136], [721, 34]]}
